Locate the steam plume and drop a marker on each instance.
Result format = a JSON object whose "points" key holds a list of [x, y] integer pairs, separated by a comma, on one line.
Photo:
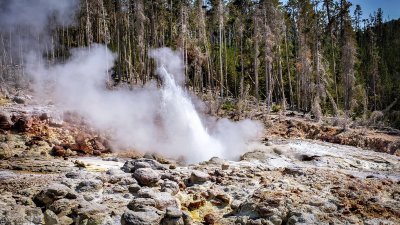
{"points": [[153, 119], [162, 120]]}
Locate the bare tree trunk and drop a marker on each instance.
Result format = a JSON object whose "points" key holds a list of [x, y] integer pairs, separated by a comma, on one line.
{"points": [[283, 98], [220, 22], [288, 72]]}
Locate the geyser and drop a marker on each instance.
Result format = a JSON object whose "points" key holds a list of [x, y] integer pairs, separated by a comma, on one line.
{"points": [[162, 120]]}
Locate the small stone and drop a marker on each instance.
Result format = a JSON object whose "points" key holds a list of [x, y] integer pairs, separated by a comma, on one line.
{"points": [[140, 218], [173, 216], [209, 219], [79, 164], [58, 151], [170, 187], [134, 188], [196, 204], [139, 203], [198, 177], [19, 100], [96, 152], [66, 220], [21, 124], [5, 122], [89, 185], [225, 166], [132, 165], [72, 175], [172, 166], [223, 198], [173, 212], [146, 176]]}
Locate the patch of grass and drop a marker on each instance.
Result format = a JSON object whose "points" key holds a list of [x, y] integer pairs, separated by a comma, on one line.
{"points": [[229, 106]]}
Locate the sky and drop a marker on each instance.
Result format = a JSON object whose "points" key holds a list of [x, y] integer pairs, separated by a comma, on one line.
{"points": [[390, 8]]}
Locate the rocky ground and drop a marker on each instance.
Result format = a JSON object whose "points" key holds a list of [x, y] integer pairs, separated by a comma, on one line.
{"points": [[58, 172]]}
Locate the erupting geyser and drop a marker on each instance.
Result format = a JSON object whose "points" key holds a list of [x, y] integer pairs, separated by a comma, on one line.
{"points": [[162, 120]]}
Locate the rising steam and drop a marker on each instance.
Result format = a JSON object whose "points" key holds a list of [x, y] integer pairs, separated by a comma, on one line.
{"points": [[150, 118], [162, 120]]}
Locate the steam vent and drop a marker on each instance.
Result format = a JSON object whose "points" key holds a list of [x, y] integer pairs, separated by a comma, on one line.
{"points": [[167, 112]]}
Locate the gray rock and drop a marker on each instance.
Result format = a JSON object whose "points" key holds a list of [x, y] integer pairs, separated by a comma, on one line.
{"points": [[377, 221], [52, 193], [146, 176], [34, 215], [172, 221], [5, 121], [170, 187], [91, 213], [140, 218], [132, 165], [127, 181], [297, 218], [198, 177], [19, 100], [134, 188], [162, 199], [73, 175], [172, 212], [138, 204], [65, 220], [63, 206], [89, 185], [50, 218]]}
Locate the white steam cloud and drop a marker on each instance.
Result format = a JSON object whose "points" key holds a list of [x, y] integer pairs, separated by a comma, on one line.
{"points": [[162, 120]]}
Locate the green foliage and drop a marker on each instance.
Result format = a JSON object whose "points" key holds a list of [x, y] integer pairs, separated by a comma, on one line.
{"points": [[276, 108], [229, 106]]}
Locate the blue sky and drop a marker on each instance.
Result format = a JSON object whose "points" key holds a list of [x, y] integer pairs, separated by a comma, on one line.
{"points": [[390, 8]]}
